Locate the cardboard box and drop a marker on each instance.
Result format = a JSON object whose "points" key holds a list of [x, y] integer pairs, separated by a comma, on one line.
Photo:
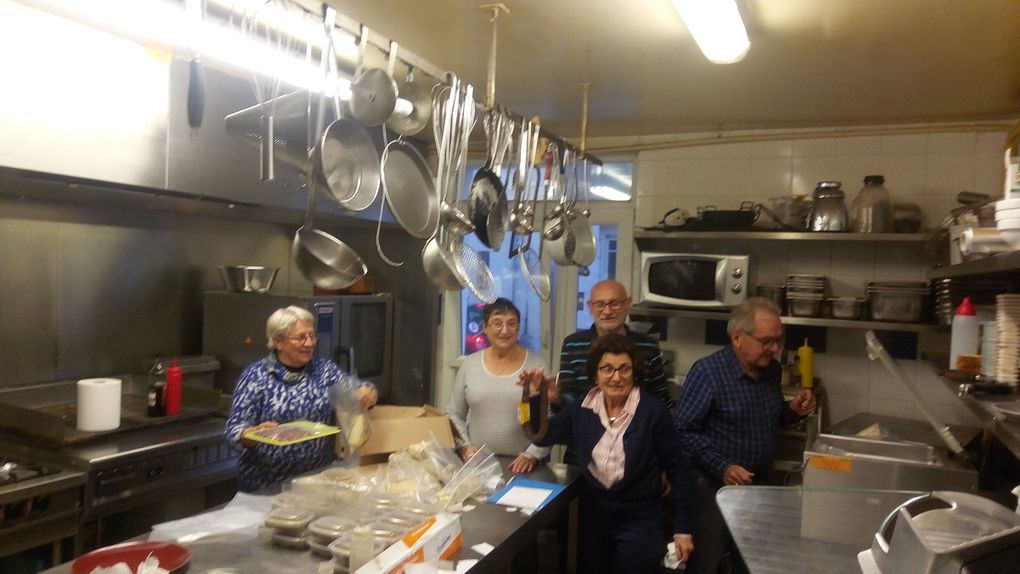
{"points": [[438, 539], [395, 427]]}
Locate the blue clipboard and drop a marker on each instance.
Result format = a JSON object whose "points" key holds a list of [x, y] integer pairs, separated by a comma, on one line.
{"points": [[553, 488]]}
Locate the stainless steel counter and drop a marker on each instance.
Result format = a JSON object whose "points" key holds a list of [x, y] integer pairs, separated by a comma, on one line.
{"points": [[766, 525], [982, 405], [507, 532]]}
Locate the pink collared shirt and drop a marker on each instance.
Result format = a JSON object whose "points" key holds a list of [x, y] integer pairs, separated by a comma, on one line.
{"points": [[607, 458]]}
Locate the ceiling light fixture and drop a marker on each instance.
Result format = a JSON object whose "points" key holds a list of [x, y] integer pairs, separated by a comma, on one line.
{"points": [[716, 27]]}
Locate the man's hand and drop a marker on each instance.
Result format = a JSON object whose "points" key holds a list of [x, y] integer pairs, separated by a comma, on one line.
{"points": [[247, 442], [736, 475], [467, 451], [367, 396], [684, 546], [804, 403], [523, 464]]}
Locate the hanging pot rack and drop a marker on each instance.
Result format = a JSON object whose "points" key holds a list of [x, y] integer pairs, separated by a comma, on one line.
{"points": [[226, 9]]}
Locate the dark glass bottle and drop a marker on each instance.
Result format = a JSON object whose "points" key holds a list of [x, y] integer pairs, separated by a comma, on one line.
{"points": [[157, 388]]}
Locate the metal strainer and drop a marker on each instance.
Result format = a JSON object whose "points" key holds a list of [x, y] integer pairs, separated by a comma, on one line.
{"points": [[533, 271], [474, 272]]}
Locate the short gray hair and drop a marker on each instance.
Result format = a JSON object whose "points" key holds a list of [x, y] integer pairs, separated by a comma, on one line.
{"points": [[280, 322], [742, 316]]}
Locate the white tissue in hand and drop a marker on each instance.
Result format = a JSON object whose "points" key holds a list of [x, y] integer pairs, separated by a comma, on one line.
{"points": [[118, 568], [151, 566]]}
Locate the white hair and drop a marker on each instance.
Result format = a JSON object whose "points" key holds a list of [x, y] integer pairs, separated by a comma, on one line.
{"points": [[742, 316], [280, 322]]}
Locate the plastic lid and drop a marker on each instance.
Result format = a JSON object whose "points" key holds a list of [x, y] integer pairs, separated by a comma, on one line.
{"points": [[874, 179], [966, 308]]}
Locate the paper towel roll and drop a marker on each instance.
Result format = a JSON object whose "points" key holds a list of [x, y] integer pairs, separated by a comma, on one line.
{"points": [[98, 404]]}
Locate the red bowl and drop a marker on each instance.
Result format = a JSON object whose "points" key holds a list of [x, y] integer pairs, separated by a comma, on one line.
{"points": [[171, 556]]}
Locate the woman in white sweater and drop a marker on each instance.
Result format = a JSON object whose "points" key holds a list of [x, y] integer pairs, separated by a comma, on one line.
{"points": [[483, 404]]}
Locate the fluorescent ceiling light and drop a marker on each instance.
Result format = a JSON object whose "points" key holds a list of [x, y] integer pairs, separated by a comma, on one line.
{"points": [[716, 27], [164, 24], [610, 193]]}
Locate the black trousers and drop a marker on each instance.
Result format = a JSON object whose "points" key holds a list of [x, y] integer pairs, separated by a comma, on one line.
{"points": [[620, 537], [712, 540]]}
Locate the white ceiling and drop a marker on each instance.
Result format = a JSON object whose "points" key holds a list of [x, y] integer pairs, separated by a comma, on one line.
{"points": [[811, 62]]}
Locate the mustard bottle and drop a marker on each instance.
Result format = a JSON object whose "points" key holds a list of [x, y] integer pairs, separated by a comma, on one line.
{"points": [[807, 365]]}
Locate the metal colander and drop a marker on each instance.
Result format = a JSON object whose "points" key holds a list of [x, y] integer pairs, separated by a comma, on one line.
{"points": [[473, 271]]}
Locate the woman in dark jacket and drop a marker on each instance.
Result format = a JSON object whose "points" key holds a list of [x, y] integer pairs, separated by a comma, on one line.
{"points": [[625, 441]]}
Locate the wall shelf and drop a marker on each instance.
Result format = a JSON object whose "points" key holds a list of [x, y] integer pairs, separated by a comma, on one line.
{"points": [[785, 236], [999, 263], [807, 321]]}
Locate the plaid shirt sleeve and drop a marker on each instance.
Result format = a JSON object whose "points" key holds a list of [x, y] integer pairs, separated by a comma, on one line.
{"points": [[689, 420]]}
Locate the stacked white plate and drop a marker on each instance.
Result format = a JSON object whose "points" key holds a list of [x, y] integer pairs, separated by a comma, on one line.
{"points": [[1007, 319]]}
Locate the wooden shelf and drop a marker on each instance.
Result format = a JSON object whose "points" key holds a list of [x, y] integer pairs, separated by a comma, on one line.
{"points": [[808, 321], [785, 236]]}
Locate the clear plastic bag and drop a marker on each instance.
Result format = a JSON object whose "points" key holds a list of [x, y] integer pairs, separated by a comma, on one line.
{"points": [[351, 416], [481, 474]]}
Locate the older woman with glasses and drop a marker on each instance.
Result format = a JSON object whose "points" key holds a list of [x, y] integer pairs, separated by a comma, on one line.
{"points": [[289, 384], [624, 439], [483, 403]]}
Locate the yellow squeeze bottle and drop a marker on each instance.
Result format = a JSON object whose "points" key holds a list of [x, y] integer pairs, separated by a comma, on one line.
{"points": [[807, 365]]}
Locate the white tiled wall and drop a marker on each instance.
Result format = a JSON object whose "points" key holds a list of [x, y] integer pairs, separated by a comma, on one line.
{"points": [[924, 168]]}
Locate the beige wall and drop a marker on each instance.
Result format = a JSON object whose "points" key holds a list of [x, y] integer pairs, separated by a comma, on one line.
{"points": [[925, 168]]}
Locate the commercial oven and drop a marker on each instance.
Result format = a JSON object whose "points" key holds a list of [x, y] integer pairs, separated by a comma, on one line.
{"points": [[356, 331]]}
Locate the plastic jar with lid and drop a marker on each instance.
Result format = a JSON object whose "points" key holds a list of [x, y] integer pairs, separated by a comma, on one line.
{"points": [[872, 210]]}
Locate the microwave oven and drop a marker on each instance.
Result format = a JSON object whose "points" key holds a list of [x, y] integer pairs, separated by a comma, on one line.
{"points": [[696, 280], [353, 330]]}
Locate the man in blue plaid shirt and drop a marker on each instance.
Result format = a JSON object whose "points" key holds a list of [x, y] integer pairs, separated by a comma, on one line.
{"points": [[727, 414]]}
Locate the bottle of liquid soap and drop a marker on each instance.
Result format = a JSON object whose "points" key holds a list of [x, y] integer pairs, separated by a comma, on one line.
{"points": [[157, 386], [965, 333], [807, 365], [173, 389]]}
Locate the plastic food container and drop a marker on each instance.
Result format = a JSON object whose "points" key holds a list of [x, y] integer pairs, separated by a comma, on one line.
{"points": [[292, 542], [288, 518], [331, 527], [846, 307], [292, 432], [319, 549], [341, 550]]}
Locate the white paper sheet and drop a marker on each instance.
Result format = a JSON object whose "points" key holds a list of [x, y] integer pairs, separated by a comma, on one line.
{"points": [[483, 548], [525, 497]]}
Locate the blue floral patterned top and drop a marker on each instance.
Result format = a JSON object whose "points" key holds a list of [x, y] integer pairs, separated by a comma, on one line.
{"points": [[268, 391]]}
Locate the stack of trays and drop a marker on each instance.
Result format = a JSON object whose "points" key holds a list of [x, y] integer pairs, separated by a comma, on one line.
{"points": [[897, 301], [804, 294], [989, 348], [1007, 319], [324, 530], [289, 524], [950, 291]]}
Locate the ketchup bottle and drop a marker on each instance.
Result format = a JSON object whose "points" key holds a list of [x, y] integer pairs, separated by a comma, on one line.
{"points": [[173, 389]]}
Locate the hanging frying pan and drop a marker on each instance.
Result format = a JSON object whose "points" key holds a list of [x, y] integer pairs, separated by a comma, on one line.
{"points": [[373, 91], [346, 156], [409, 189]]}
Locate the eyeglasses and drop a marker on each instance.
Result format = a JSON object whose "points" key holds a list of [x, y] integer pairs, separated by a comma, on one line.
{"points": [[498, 325], [614, 305], [302, 339], [609, 370], [767, 342]]}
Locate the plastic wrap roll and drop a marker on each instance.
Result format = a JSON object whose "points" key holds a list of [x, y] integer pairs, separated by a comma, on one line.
{"points": [[98, 404]]}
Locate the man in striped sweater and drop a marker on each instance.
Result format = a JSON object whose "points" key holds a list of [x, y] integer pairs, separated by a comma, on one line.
{"points": [[609, 305]]}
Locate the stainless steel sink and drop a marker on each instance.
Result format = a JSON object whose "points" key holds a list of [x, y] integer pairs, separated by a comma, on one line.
{"points": [[836, 465]]}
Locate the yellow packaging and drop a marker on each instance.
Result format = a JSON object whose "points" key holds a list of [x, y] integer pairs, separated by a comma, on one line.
{"points": [[292, 432], [439, 538]]}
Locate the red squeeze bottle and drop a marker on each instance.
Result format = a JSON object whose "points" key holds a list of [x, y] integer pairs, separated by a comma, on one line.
{"points": [[173, 389]]}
